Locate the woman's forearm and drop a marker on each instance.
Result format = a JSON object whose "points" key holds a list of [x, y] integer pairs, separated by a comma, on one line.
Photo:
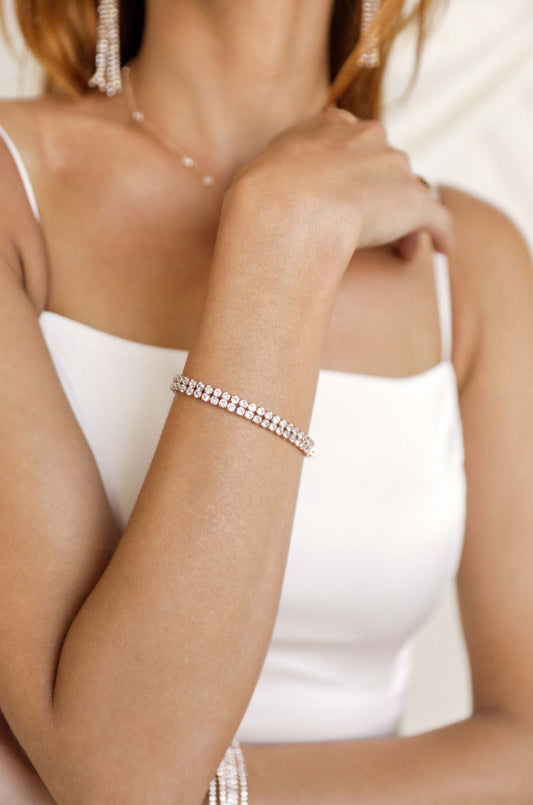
{"points": [[485, 759], [481, 760], [160, 662]]}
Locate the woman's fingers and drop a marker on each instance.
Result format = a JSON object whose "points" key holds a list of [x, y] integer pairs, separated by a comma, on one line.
{"points": [[440, 226], [438, 222], [407, 246], [345, 113], [341, 186]]}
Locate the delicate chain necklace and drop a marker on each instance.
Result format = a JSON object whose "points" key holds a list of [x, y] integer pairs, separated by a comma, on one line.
{"points": [[139, 117]]}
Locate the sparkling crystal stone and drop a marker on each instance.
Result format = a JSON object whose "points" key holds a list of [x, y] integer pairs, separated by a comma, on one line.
{"points": [[286, 434], [189, 391], [283, 423], [264, 423], [249, 414], [279, 430], [240, 410], [192, 383], [206, 396], [200, 385], [209, 389], [214, 400], [275, 419], [243, 403], [290, 427], [217, 392], [234, 399], [252, 407], [268, 415], [292, 437], [184, 379], [261, 411], [226, 395], [272, 426], [257, 419], [197, 392], [187, 161], [231, 406], [222, 403]]}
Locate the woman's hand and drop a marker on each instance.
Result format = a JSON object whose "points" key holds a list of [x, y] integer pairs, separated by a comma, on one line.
{"points": [[335, 185]]}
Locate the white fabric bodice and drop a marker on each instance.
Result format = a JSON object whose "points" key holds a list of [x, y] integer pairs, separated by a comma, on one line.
{"points": [[378, 527]]}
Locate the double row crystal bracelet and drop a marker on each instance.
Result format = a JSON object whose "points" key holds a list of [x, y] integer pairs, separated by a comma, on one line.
{"points": [[249, 410], [230, 780]]}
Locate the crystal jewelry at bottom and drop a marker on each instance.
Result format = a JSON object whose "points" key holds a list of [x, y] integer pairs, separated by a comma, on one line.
{"points": [[230, 781], [248, 410]]}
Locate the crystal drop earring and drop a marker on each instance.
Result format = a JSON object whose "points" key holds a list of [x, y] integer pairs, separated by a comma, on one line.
{"points": [[370, 56], [107, 76]]}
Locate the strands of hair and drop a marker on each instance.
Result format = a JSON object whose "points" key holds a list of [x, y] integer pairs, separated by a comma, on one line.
{"points": [[62, 37]]}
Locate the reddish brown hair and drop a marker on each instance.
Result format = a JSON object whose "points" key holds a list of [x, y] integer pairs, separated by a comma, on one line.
{"points": [[62, 36]]}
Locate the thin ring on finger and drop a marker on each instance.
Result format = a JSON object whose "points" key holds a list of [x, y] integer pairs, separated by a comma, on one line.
{"points": [[431, 187], [425, 182]]}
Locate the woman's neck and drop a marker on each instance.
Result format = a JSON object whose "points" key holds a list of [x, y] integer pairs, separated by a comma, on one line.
{"points": [[223, 78]]}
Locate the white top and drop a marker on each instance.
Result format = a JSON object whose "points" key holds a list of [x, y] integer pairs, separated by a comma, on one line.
{"points": [[378, 527]]}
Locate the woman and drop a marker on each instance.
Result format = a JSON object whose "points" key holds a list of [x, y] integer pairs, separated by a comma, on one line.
{"points": [[173, 576]]}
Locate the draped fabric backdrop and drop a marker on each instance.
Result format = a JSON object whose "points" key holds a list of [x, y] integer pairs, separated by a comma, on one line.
{"points": [[468, 122]]}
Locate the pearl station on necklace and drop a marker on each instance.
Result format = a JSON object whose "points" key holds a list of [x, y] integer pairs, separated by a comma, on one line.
{"points": [[139, 117]]}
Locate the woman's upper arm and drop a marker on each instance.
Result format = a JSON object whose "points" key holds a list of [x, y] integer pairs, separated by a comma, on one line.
{"points": [[57, 531], [495, 576]]}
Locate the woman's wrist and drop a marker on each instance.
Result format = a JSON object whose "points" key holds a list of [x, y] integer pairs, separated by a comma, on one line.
{"points": [[263, 241]]}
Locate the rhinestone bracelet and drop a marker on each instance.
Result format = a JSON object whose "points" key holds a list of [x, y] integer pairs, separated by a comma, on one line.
{"points": [[230, 779], [249, 410]]}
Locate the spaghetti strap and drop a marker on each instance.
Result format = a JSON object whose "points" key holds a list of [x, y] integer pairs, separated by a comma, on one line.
{"points": [[442, 283], [24, 175], [441, 270]]}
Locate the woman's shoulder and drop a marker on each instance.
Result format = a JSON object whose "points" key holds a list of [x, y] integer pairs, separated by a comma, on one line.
{"points": [[51, 136], [18, 118], [26, 120], [30, 123], [491, 271], [22, 248], [484, 231], [43, 126], [26, 155]]}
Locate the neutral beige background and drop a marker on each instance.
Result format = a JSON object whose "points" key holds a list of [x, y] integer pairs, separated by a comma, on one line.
{"points": [[469, 122]]}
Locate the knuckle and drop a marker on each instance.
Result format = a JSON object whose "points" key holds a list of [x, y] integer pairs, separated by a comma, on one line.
{"points": [[447, 219], [402, 158], [424, 196], [373, 128], [331, 112]]}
